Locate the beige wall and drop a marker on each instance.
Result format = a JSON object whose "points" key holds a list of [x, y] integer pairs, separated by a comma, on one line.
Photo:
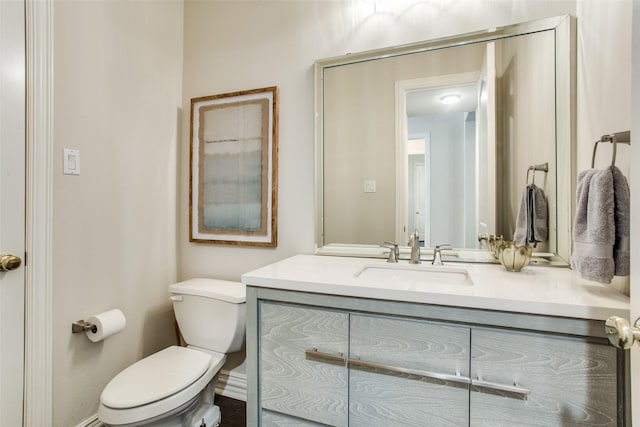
{"points": [[604, 78], [117, 84], [122, 98]]}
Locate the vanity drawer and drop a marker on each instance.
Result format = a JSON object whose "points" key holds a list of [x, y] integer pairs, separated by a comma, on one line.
{"points": [[312, 388], [556, 381], [407, 373], [272, 419]]}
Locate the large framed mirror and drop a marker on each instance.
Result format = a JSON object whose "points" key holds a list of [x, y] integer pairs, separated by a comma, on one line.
{"points": [[443, 137]]}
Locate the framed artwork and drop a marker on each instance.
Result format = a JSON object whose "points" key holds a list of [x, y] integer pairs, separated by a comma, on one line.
{"points": [[233, 190]]}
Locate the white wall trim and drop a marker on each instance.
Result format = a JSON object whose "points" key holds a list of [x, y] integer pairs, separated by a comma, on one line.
{"points": [[232, 384], [39, 265], [401, 89], [91, 422]]}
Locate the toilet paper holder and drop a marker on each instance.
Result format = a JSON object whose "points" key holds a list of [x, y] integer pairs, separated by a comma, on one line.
{"points": [[83, 326]]}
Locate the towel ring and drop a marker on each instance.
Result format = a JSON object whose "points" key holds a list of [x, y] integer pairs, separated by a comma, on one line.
{"points": [[543, 167], [615, 139]]}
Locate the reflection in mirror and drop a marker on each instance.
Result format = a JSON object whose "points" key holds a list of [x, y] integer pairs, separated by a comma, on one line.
{"points": [[442, 153], [439, 138]]}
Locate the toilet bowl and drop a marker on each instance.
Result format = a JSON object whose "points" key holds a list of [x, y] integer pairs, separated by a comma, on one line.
{"points": [[175, 386]]}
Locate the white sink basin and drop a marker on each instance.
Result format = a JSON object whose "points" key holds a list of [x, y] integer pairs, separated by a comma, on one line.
{"points": [[417, 274]]}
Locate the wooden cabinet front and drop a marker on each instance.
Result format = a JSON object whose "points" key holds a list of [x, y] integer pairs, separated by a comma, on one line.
{"points": [[293, 381], [344, 366], [541, 380], [407, 373]]}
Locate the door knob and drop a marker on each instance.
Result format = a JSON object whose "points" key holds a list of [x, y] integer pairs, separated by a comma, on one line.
{"points": [[9, 262], [620, 332]]}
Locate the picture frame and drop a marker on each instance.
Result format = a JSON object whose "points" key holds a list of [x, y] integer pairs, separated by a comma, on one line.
{"points": [[233, 185]]}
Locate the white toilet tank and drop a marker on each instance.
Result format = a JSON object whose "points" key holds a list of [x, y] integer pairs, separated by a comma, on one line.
{"points": [[211, 314]]}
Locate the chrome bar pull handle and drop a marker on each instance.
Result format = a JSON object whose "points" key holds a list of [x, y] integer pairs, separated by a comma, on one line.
{"points": [[415, 372], [501, 387], [313, 353]]}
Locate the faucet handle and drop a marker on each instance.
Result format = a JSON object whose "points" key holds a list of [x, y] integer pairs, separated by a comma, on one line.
{"points": [[437, 253], [444, 246], [394, 253]]}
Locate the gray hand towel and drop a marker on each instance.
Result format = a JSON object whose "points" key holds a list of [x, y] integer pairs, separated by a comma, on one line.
{"points": [[532, 223], [622, 214], [594, 226]]}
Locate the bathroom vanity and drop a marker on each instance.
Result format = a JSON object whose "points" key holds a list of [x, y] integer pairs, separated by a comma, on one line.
{"points": [[352, 341]]}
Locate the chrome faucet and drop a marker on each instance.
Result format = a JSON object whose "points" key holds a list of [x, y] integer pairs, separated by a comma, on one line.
{"points": [[394, 251], [437, 253], [414, 242]]}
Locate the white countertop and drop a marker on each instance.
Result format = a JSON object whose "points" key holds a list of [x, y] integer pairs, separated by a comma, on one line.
{"points": [[537, 290]]}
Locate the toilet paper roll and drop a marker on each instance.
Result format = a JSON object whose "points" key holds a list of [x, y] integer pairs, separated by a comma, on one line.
{"points": [[106, 324]]}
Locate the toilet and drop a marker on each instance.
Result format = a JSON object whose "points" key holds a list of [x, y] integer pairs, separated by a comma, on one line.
{"points": [[175, 386]]}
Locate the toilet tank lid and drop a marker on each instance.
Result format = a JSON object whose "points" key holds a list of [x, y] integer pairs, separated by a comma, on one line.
{"points": [[233, 292]]}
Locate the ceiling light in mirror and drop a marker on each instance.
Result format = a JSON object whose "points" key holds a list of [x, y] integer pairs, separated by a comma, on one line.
{"points": [[450, 99]]}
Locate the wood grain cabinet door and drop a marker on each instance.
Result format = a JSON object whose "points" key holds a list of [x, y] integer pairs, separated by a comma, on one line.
{"points": [[528, 379], [407, 373], [302, 365], [274, 419]]}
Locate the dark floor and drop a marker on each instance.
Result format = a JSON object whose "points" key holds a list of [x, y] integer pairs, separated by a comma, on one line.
{"points": [[233, 411]]}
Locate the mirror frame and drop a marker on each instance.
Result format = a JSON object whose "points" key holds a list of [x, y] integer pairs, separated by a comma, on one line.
{"points": [[565, 72]]}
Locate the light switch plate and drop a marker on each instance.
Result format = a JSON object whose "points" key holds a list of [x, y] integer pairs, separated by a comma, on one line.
{"points": [[71, 161], [369, 186]]}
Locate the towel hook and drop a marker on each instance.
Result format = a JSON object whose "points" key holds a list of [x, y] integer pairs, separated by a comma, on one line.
{"points": [[615, 139], [543, 167]]}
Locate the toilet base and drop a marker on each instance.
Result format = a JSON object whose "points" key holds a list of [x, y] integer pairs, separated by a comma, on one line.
{"points": [[207, 417], [198, 415], [194, 413]]}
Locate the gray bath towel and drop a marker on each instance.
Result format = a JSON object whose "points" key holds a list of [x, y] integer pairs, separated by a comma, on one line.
{"points": [[594, 226], [622, 214], [532, 223]]}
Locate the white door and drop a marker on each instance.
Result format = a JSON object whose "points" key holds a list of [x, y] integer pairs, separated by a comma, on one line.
{"points": [[634, 185], [12, 209]]}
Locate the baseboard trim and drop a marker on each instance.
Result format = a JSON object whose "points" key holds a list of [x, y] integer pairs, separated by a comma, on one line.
{"points": [[91, 422], [232, 384]]}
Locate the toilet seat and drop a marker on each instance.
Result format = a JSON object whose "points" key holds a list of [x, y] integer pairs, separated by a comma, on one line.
{"points": [[157, 384]]}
